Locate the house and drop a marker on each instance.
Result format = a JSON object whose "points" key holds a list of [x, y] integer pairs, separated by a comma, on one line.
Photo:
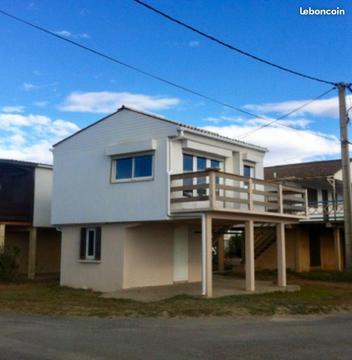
{"points": [[140, 200], [25, 207], [317, 242]]}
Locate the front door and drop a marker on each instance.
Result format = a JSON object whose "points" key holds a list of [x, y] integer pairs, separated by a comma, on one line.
{"points": [[181, 253]]}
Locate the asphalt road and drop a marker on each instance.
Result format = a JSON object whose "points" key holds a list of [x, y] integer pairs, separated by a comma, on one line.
{"points": [[38, 337]]}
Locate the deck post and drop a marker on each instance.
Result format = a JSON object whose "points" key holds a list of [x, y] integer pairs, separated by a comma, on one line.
{"points": [[207, 268], [280, 199], [337, 246], [212, 189], [2, 236], [221, 253], [32, 253], [281, 254], [249, 249]]}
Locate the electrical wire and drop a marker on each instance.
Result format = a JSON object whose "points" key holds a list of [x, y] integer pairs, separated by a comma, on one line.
{"points": [[156, 77], [229, 46], [287, 114]]}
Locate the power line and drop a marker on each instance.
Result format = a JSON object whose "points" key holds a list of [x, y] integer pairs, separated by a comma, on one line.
{"points": [[287, 114], [131, 67], [229, 46], [141, 71]]}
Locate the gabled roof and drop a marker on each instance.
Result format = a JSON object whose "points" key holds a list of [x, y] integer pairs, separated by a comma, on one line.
{"points": [[184, 127], [313, 169], [25, 163]]}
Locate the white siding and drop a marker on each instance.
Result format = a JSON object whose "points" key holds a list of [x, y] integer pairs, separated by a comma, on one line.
{"points": [[82, 192], [43, 180]]}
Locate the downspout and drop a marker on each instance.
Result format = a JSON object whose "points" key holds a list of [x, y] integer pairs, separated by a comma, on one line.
{"points": [[204, 256]]}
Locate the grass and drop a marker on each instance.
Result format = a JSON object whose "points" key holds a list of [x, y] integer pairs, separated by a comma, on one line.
{"points": [[50, 299]]}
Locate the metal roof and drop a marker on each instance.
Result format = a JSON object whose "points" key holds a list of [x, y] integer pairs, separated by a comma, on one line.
{"points": [[25, 163], [181, 125], [313, 169]]}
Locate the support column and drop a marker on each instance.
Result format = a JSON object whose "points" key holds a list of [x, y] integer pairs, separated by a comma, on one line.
{"points": [[221, 253], [32, 253], [281, 254], [2, 236], [249, 249], [207, 268], [337, 246]]}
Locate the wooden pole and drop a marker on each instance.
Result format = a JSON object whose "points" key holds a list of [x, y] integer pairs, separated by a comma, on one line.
{"points": [[32, 253], [281, 254], [2, 236], [337, 246], [250, 267]]}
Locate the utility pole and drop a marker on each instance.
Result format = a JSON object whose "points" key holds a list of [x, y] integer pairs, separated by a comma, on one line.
{"points": [[346, 175]]}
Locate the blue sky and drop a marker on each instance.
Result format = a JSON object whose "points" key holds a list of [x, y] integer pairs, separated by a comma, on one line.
{"points": [[51, 89]]}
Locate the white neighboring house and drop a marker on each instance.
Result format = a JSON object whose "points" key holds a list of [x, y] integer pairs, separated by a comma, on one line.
{"points": [[139, 200]]}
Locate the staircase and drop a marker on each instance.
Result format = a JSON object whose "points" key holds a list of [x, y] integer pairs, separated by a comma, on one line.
{"points": [[264, 237]]}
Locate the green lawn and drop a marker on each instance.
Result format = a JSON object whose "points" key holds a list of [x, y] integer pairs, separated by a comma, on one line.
{"points": [[50, 298]]}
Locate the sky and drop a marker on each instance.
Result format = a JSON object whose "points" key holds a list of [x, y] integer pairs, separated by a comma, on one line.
{"points": [[50, 89]]}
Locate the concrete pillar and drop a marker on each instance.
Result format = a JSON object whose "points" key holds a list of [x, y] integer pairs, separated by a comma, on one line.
{"points": [[207, 266], [249, 249], [32, 253], [2, 236], [337, 246], [281, 254], [221, 253]]}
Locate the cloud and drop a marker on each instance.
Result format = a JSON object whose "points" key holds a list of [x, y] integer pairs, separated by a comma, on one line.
{"points": [[108, 102], [193, 43], [41, 103], [13, 109], [29, 86], [285, 145], [68, 34], [324, 107], [29, 137]]}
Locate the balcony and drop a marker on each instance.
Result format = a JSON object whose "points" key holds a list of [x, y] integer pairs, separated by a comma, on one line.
{"points": [[326, 211], [214, 190]]}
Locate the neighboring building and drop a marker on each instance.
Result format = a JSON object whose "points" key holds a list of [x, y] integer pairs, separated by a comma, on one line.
{"points": [[316, 242], [25, 207], [140, 199]]}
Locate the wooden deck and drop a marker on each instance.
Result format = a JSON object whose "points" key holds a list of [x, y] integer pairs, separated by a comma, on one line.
{"points": [[214, 190]]}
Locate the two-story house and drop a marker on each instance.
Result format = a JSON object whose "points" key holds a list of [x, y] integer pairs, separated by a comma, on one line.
{"points": [[317, 241], [140, 200], [25, 207]]}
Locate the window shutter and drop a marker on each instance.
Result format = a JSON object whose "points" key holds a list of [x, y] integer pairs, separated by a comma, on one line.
{"points": [[82, 247], [98, 243]]}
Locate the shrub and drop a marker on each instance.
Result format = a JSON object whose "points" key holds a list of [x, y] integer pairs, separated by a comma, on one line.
{"points": [[235, 245], [8, 263]]}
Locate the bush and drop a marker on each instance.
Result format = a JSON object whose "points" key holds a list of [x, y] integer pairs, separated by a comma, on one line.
{"points": [[8, 263], [235, 245]]}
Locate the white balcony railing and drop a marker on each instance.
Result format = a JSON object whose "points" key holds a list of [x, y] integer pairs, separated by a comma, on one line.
{"points": [[326, 210], [217, 190]]}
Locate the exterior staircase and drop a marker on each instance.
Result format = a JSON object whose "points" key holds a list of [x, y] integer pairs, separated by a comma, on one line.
{"points": [[264, 237]]}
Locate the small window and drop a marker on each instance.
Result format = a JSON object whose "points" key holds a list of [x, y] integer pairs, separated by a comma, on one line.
{"points": [[249, 170], [215, 164], [133, 167], [90, 244]]}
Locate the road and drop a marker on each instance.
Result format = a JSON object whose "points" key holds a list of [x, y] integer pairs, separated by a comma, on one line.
{"points": [[39, 337]]}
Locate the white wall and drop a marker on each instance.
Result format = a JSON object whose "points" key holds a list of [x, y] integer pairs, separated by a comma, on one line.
{"points": [[82, 192], [43, 179]]}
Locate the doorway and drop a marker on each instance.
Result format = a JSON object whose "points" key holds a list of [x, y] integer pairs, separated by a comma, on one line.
{"points": [[181, 253]]}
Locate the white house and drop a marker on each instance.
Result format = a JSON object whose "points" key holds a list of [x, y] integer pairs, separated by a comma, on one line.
{"points": [[140, 199]]}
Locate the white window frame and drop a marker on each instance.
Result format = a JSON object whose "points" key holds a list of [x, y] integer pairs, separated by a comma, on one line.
{"points": [[132, 178], [251, 165], [91, 257], [208, 160]]}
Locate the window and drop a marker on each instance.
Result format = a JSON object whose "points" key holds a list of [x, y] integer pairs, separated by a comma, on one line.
{"points": [[133, 167], [198, 163], [90, 244], [249, 169], [312, 197]]}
